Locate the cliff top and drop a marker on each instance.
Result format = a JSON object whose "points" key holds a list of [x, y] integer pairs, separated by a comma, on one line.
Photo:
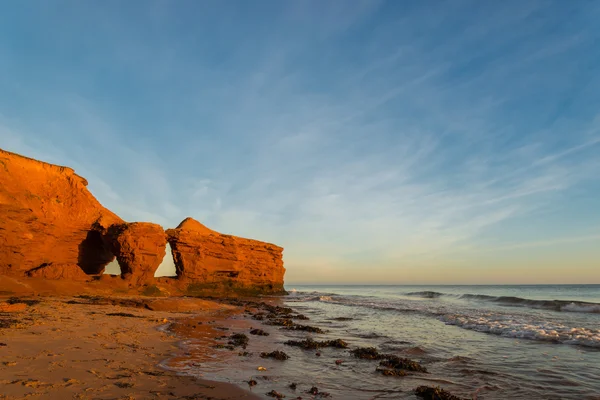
{"points": [[191, 224], [20, 159]]}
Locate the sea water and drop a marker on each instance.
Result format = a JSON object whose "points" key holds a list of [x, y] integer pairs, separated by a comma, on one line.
{"points": [[484, 342]]}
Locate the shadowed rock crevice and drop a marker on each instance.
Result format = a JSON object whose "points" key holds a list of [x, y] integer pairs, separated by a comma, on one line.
{"points": [[94, 253]]}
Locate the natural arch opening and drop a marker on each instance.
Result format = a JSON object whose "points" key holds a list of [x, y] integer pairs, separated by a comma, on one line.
{"points": [[94, 253], [167, 266], [113, 268]]}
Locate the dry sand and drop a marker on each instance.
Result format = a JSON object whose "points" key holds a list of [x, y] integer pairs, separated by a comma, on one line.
{"points": [[56, 350]]}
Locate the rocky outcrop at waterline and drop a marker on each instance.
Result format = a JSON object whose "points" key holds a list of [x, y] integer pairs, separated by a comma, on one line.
{"points": [[203, 255], [53, 229]]}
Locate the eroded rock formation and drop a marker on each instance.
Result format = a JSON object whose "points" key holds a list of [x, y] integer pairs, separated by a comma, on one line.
{"points": [[51, 227], [140, 248], [214, 259], [46, 213]]}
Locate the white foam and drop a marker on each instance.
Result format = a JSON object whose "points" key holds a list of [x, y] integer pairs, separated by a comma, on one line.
{"points": [[584, 308], [510, 327]]}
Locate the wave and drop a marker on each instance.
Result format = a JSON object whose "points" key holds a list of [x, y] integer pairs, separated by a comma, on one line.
{"points": [[426, 294], [556, 305], [523, 329], [374, 304]]}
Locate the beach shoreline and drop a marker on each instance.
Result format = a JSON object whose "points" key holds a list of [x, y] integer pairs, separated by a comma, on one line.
{"points": [[65, 347]]}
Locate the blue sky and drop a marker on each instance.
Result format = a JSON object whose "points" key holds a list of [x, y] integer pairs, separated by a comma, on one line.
{"points": [[378, 142]]}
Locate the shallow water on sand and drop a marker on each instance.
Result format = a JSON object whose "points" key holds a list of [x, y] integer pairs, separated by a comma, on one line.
{"points": [[484, 342]]}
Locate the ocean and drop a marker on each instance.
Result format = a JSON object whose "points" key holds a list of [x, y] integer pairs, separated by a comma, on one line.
{"points": [[483, 342]]}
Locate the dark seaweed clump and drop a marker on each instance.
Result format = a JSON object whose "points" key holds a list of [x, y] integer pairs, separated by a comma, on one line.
{"points": [[402, 363], [281, 322], [367, 353], [276, 309], [224, 346], [389, 360], [391, 372], [310, 344], [259, 332], [17, 300], [315, 392], [8, 322], [123, 314], [275, 394], [259, 316], [434, 393], [304, 328], [238, 339], [277, 354]]}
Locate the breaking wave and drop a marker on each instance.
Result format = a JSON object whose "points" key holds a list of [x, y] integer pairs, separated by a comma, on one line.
{"points": [[426, 294], [472, 313], [523, 329], [556, 305]]}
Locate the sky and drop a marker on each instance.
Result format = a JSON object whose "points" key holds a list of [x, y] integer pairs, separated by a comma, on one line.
{"points": [[378, 142]]}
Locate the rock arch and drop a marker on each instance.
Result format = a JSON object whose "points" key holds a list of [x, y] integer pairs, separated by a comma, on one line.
{"points": [[139, 248]]}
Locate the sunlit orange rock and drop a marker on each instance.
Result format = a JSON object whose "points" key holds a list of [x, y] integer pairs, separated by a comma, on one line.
{"points": [[224, 261], [46, 215], [53, 229], [140, 248]]}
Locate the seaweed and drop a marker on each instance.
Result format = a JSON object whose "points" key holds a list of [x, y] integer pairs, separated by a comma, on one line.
{"points": [[18, 300], [304, 328], [224, 346], [238, 339], [310, 344], [281, 322], [123, 314], [367, 353], [315, 392], [389, 360], [435, 393], [124, 385], [259, 332], [8, 322], [277, 354], [402, 363], [391, 372], [275, 394]]}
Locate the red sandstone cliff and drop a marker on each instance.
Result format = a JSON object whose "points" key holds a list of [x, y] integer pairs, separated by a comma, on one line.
{"points": [[139, 248], [46, 213], [203, 255], [52, 227]]}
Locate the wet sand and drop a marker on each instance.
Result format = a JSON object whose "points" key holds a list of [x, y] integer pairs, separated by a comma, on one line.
{"points": [[57, 350]]}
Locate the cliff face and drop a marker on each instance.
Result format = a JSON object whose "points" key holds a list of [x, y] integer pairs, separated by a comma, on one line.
{"points": [[52, 228], [46, 213], [224, 261], [139, 248]]}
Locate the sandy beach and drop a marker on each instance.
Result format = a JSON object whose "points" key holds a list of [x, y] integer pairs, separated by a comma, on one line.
{"points": [[75, 347]]}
